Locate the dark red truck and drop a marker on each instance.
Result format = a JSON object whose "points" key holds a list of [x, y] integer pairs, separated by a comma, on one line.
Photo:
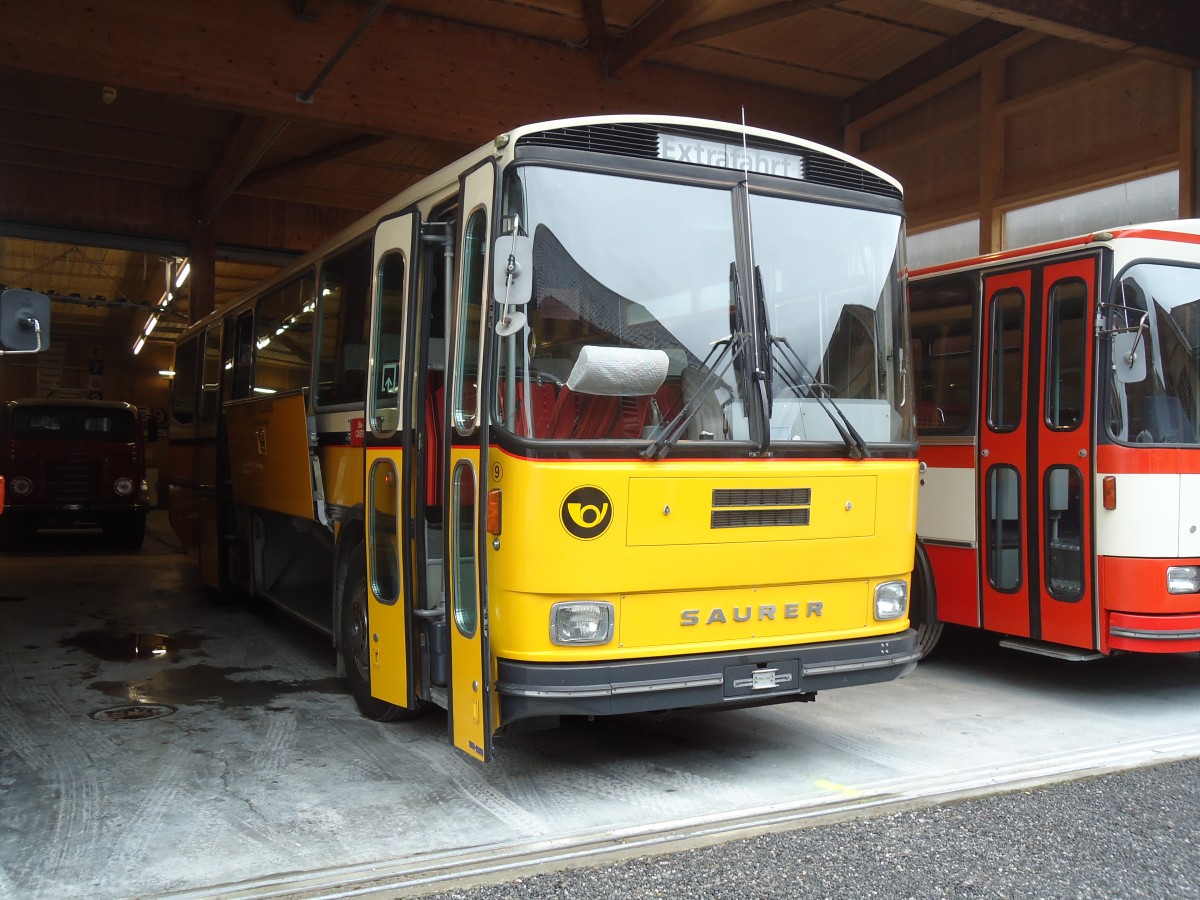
{"points": [[73, 463]]}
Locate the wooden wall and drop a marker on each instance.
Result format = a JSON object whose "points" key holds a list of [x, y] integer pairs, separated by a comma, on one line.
{"points": [[1031, 119]]}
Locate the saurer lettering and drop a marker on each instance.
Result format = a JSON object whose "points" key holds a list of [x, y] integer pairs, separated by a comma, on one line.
{"points": [[765, 613]]}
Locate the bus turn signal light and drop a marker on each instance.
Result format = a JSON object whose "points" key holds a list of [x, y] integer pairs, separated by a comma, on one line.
{"points": [[493, 512], [1110, 492]]}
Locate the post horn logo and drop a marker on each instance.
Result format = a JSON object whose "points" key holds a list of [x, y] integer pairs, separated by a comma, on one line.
{"points": [[586, 512]]}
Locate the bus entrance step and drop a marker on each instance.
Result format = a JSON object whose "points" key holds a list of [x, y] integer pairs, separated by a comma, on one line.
{"points": [[1057, 651]]}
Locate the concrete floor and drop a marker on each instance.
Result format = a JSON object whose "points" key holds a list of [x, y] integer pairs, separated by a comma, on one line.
{"points": [[261, 779]]}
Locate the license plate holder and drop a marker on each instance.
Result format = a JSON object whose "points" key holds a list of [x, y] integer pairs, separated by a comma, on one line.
{"points": [[773, 677]]}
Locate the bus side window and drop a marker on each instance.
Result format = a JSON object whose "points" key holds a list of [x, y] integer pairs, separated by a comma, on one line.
{"points": [[345, 324], [943, 353], [1066, 352], [210, 379], [468, 326], [183, 387], [283, 337], [390, 312], [1006, 365]]}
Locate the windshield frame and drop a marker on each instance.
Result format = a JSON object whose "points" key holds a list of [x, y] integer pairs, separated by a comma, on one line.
{"points": [[1110, 387], [740, 189]]}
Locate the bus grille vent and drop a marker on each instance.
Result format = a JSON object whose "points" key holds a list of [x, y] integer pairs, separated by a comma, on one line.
{"points": [[758, 518], [760, 507], [762, 497], [641, 141]]}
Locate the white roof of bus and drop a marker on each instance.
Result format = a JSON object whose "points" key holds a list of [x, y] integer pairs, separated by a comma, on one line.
{"points": [[1182, 230], [445, 178]]}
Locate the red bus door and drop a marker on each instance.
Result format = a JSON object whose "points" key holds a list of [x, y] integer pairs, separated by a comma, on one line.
{"points": [[1035, 453], [1066, 609]]}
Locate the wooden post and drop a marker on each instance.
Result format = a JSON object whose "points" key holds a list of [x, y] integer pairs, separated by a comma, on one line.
{"points": [[1189, 141], [991, 151], [203, 279]]}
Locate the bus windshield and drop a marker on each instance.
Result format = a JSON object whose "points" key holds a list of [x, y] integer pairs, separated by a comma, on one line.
{"points": [[1159, 305], [640, 319]]}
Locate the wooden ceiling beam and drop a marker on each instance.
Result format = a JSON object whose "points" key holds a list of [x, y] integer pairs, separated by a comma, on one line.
{"points": [[597, 27], [325, 154], [306, 10], [761, 16], [1164, 30], [651, 33], [925, 68], [408, 74], [249, 139]]}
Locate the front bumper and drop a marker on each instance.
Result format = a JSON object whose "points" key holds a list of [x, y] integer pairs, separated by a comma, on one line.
{"points": [[745, 678]]}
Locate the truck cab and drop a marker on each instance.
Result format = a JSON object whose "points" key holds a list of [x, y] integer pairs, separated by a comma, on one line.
{"points": [[73, 463]]}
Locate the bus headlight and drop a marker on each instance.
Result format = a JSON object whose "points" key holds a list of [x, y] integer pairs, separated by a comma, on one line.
{"points": [[891, 600], [586, 622], [1183, 579], [21, 486], [123, 487]]}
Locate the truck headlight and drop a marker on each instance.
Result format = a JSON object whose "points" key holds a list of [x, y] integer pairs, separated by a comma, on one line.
{"points": [[21, 486], [891, 600], [123, 487], [581, 622], [1183, 579]]}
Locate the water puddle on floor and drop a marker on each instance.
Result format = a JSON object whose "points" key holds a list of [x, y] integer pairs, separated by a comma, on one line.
{"points": [[124, 647]]}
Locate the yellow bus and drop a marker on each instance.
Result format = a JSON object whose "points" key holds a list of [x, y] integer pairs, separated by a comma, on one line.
{"points": [[612, 415]]}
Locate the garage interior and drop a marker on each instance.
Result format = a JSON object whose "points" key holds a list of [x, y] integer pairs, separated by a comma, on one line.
{"points": [[137, 136], [158, 160]]}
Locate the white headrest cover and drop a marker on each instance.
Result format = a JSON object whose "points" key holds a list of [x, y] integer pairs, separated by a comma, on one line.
{"points": [[618, 371]]}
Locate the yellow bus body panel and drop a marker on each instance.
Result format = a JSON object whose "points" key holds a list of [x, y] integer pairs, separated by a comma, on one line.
{"points": [[269, 454], [387, 621], [469, 691], [679, 585]]}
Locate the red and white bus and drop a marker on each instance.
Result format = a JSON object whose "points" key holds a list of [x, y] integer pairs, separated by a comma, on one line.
{"points": [[1058, 407]]}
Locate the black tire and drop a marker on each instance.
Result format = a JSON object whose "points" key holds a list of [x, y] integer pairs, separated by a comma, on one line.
{"points": [[928, 636], [126, 531], [924, 604], [15, 531], [355, 645]]}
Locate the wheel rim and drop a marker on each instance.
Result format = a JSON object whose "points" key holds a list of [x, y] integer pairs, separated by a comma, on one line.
{"points": [[356, 639]]}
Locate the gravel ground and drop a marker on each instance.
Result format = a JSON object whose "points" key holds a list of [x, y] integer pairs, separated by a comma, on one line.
{"points": [[1131, 834]]}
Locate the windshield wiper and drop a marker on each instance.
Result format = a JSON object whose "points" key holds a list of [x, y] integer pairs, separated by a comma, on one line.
{"points": [[722, 359], [819, 392], [670, 434]]}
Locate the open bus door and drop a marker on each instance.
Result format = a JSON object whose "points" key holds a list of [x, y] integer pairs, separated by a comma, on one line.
{"points": [[1035, 466], [390, 575], [471, 694]]}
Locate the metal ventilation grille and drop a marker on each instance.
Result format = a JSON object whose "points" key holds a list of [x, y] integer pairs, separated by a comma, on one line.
{"points": [[760, 507], [722, 497], [623, 140], [641, 141], [758, 518], [73, 478], [826, 169]]}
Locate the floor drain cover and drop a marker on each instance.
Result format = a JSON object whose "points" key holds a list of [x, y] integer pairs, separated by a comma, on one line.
{"points": [[133, 712]]}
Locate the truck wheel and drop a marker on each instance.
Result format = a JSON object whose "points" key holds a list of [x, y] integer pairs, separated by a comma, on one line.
{"points": [[126, 532], [14, 531], [135, 531], [356, 645]]}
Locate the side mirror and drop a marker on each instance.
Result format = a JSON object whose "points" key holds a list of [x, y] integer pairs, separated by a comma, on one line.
{"points": [[512, 269], [24, 321], [1128, 357]]}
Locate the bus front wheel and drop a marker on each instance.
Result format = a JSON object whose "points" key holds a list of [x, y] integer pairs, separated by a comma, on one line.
{"points": [[356, 646], [924, 600]]}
